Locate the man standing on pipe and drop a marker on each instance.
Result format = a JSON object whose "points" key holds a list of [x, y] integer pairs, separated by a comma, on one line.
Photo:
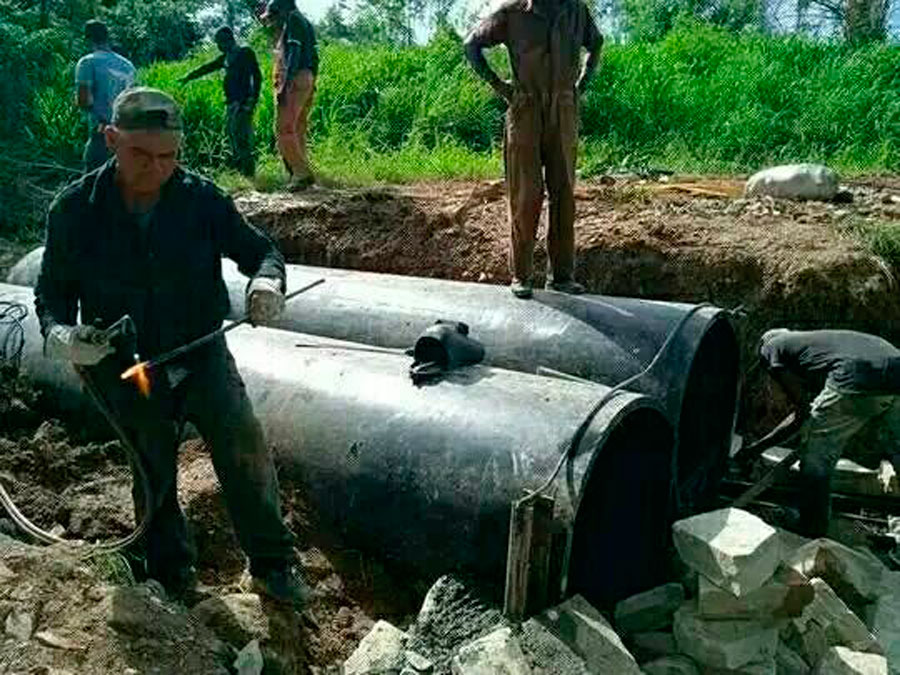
{"points": [[242, 84], [838, 382], [295, 66], [144, 237], [99, 78], [544, 39]]}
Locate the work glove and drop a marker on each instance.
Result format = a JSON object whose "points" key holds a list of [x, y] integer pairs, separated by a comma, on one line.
{"points": [[265, 300], [82, 345]]}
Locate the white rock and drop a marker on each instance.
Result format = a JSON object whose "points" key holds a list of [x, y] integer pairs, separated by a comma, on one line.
{"points": [[794, 181], [652, 645], [853, 575], [723, 644], [577, 623], [789, 662], [650, 610], [732, 548], [237, 619], [547, 653], [19, 624], [886, 622], [497, 653], [379, 651], [249, 660], [418, 663], [54, 641], [843, 661], [671, 665], [827, 622], [786, 594]]}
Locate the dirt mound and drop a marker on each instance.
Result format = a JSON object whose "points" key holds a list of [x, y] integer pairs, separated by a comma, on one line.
{"points": [[795, 264]]}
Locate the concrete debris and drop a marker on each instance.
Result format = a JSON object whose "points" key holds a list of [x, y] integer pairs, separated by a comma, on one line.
{"points": [[886, 620], [794, 181], [50, 639], [827, 622], [249, 660], [577, 623], [671, 665], [843, 661], [651, 610], [789, 662], [786, 594], [764, 667], [237, 619], [19, 624], [652, 645], [790, 542], [381, 651], [453, 613], [547, 653], [498, 653], [418, 663], [723, 644], [5, 572], [732, 548], [854, 576]]}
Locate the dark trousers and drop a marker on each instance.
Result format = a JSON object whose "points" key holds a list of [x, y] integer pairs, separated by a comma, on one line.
{"points": [[239, 125], [214, 399], [95, 151]]}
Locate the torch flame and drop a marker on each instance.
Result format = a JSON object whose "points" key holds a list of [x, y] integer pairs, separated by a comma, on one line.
{"points": [[138, 372]]}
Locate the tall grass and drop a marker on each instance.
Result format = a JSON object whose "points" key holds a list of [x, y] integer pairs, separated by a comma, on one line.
{"points": [[702, 99]]}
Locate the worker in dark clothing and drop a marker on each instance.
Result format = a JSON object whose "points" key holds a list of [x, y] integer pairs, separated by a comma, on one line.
{"points": [[144, 238], [544, 39], [838, 382], [295, 68], [243, 80]]}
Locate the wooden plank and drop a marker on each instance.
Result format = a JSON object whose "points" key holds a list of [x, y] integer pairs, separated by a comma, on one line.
{"points": [[518, 558], [541, 543]]}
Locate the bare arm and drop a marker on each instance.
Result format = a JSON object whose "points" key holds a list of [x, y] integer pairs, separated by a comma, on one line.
{"points": [[789, 426], [593, 43], [205, 69], [83, 97]]}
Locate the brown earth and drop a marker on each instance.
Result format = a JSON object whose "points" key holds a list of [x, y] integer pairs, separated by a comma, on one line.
{"points": [[107, 624]]}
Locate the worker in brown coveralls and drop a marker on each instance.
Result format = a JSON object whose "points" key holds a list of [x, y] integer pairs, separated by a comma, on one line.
{"points": [[142, 237], [296, 66], [544, 39]]}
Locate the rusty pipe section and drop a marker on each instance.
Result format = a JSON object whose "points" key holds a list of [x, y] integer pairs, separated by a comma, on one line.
{"points": [[426, 475], [599, 338]]}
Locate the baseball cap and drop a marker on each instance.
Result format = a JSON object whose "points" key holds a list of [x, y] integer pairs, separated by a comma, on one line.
{"points": [[145, 109]]}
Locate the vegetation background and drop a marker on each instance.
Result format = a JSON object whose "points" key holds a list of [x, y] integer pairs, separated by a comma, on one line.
{"points": [[689, 85]]}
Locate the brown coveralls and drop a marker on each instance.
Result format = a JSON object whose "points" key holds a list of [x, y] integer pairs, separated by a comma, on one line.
{"points": [[542, 123]]}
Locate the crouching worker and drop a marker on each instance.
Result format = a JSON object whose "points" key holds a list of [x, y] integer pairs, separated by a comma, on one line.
{"points": [[838, 382], [144, 237]]}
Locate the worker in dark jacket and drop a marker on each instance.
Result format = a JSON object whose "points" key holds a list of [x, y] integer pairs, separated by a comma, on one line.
{"points": [[144, 238], [243, 80], [544, 39], [838, 382]]}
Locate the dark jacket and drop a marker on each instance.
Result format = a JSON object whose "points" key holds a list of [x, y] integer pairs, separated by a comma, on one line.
{"points": [[171, 284], [243, 78]]}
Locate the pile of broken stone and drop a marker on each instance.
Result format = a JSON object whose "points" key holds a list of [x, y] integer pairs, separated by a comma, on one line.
{"points": [[753, 600]]}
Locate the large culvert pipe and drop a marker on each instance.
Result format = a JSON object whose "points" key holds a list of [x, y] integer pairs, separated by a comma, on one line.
{"points": [[603, 339], [426, 475]]}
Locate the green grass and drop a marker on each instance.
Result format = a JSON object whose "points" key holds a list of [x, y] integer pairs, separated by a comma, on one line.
{"points": [[881, 237], [700, 100]]}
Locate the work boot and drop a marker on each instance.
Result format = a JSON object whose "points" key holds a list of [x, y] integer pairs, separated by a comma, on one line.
{"points": [[283, 585], [180, 583], [521, 289], [570, 287], [298, 184]]}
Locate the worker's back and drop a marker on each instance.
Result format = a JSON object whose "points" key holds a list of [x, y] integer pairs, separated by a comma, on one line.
{"points": [[107, 74], [849, 361]]}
